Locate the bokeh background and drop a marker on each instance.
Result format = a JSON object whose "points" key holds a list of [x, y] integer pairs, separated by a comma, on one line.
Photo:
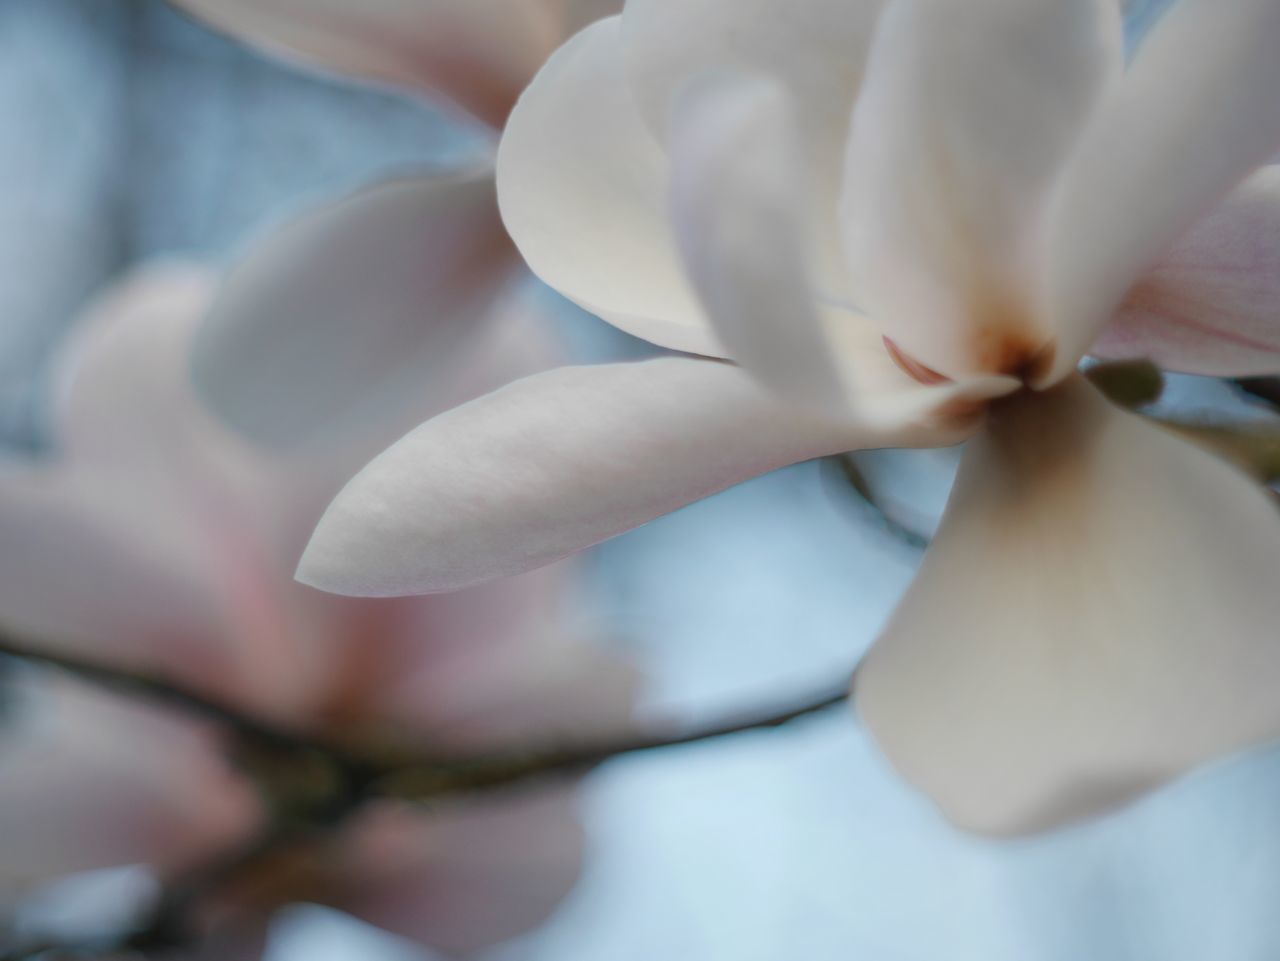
{"points": [[127, 132]]}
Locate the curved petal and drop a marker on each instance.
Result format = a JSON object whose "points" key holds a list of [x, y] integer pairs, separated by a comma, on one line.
{"points": [[1096, 615], [1196, 112], [475, 874], [479, 53], [560, 461], [583, 190], [333, 314], [101, 783], [966, 118], [814, 49], [740, 211], [1212, 306]]}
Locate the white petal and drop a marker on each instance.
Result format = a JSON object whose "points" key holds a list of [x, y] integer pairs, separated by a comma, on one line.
{"points": [[480, 53], [1212, 306], [740, 209], [967, 116], [562, 460], [583, 190], [1097, 614], [1195, 114], [329, 316], [815, 49]]}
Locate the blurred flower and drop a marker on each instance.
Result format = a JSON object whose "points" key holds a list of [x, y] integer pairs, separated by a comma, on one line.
{"points": [[339, 313], [156, 539], [906, 222]]}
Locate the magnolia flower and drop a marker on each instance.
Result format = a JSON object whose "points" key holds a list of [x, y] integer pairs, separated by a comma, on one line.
{"points": [[904, 223], [335, 315], [157, 540]]}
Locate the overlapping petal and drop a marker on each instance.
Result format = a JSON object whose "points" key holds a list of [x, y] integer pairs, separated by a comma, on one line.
{"points": [[334, 317], [816, 53], [1195, 113], [583, 189], [1097, 614], [741, 211], [966, 117], [478, 53], [562, 460], [1212, 306]]}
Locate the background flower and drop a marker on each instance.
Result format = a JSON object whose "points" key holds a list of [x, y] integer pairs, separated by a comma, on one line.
{"points": [[156, 539]]}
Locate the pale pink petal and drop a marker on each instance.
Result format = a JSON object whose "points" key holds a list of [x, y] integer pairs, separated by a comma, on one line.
{"points": [[86, 572], [331, 319], [1196, 112], [1097, 615], [814, 49], [562, 460], [467, 876], [93, 782], [479, 53], [583, 190], [966, 118], [741, 210], [1212, 305]]}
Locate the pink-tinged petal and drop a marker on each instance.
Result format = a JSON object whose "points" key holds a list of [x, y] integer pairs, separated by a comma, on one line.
{"points": [[332, 318], [557, 462], [583, 190], [966, 118], [1096, 615], [814, 49], [467, 876], [1196, 112], [91, 573], [94, 782], [741, 210], [478, 53], [1212, 305]]}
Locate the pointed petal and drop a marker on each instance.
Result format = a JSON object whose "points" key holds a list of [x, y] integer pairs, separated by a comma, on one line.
{"points": [[1096, 615], [563, 460], [583, 190], [815, 50], [479, 53], [329, 316], [1196, 112], [966, 118], [473, 875], [740, 210], [1212, 306]]}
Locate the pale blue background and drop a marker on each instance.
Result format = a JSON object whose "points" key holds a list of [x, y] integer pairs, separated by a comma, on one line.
{"points": [[126, 132]]}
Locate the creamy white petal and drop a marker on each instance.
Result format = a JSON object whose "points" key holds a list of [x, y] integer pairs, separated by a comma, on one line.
{"points": [[967, 115], [328, 317], [1196, 112], [560, 461], [740, 208], [583, 190], [1212, 305], [479, 53], [815, 49], [1097, 614]]}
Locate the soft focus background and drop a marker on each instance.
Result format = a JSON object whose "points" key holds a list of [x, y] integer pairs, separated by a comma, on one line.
{"points": [[127, 131]]}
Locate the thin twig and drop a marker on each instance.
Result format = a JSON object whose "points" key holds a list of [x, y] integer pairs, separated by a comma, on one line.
{"points": [[860, 485], [415, 780], [162, 691]]}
